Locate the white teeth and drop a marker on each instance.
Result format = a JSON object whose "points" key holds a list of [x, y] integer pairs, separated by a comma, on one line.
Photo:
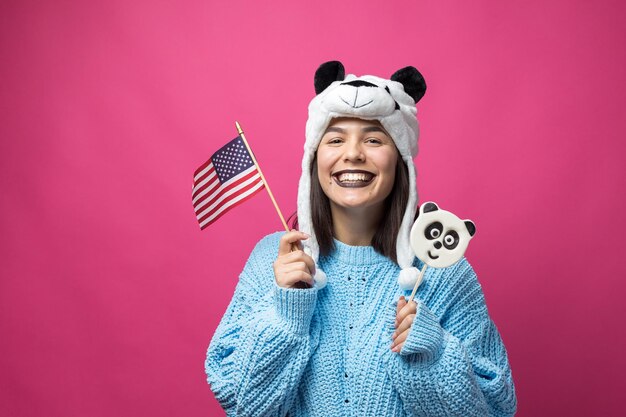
{"points": [[354, 177]]}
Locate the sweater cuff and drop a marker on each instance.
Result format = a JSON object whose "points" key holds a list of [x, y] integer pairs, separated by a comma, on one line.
{"points": [[426, 335], [295, 307]]}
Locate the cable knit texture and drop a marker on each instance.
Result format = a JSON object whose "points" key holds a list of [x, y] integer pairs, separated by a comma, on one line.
{"points": [[310, 352]]}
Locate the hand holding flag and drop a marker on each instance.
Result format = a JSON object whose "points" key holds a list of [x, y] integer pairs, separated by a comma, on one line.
{"points": [[230, 177]]}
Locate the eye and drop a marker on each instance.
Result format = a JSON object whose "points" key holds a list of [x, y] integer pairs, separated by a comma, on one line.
{"points": [[433, 231], [375, 141], [451, 240], [334, 140]]}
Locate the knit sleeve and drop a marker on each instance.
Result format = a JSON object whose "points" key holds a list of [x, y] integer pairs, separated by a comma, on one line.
{"points": [[453, 361], [263, 343]]}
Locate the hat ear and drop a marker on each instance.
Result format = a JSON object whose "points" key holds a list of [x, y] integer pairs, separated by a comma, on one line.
{"points": [[327, 73], [412, 80]]}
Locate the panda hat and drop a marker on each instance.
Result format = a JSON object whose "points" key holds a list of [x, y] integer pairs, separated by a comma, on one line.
{"points": [[392, 103]]}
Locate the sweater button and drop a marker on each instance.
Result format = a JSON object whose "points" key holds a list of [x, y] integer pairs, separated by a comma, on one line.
{"points": [[351, 327], [347, 401]]}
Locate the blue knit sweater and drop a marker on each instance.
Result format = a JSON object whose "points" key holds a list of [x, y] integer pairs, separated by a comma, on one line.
{"points": [[310, 352]]}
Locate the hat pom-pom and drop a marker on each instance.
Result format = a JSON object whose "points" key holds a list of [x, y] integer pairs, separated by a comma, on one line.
{"points": [[408, 278], [320, 279]]}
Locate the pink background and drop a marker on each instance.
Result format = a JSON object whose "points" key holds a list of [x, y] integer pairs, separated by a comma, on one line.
{"points": [[109, 293]]}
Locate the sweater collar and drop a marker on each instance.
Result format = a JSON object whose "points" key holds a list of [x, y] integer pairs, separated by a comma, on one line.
{"points": [[356, 255]]}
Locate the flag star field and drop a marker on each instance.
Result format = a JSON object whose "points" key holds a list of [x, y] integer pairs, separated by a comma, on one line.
{"points": [[231, 159]]}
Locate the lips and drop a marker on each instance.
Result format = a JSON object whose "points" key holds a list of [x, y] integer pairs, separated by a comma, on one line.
{"points": [[351, 178], [431, 256]]}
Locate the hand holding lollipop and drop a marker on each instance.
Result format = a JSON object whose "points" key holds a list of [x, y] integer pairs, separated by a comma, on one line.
{"points": [[439, 239]]}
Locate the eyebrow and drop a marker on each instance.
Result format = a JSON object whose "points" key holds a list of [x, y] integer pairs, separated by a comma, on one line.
{"points": [[334, 129], [373, 129], [367, 129]]}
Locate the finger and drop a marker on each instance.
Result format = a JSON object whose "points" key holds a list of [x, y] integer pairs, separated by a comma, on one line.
{"points": [[286, 240], [405, 325], [288, 279], [401, 303], [286, 275], [293, 267], [291, 240], [399, 307], [298, 256], [399, 342], [293, 277], [409, 308]]}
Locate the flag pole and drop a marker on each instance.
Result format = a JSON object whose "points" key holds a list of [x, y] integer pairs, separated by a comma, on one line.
{"points": [[280, 214], [294, 246]]}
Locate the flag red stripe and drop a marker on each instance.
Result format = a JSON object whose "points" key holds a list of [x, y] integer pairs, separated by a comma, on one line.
{"points": [[210, 184], [204, 214], [209, 187], [220, 191], [206, 164], [206, 174], [231, 197], [205, 186], [208, 200], [234, 205]]}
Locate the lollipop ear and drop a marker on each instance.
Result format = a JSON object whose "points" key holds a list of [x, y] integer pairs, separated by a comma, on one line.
{"points": [[428, 207], [471, 228], [328, 73]]}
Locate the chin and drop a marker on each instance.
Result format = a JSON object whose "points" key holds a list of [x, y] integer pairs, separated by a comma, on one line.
{"points": [[357, 204]]}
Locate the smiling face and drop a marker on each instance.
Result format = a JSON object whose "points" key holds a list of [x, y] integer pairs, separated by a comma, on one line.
{"points": [[356, 162]]}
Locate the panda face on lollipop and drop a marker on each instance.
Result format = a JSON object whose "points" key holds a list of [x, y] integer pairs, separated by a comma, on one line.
{"points": [[438, 237]]}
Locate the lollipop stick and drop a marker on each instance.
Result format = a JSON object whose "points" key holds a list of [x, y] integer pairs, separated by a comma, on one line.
{"points": [[418, 282]]}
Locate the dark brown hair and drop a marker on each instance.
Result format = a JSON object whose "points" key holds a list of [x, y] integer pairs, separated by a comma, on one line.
{"points": [[384, 240]]}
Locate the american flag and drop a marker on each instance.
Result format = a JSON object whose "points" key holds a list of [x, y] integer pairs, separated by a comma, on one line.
{"points": [[227, 179]]}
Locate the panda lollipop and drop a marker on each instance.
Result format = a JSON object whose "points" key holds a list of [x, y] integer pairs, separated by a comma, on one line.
{"points": [[439, 238]]}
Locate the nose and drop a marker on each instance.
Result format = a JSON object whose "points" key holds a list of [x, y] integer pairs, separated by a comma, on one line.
{"points": [[437, 244], [354, 151]]}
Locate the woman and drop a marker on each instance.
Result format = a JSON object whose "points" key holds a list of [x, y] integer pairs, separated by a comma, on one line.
{"points": [[318, 324]]}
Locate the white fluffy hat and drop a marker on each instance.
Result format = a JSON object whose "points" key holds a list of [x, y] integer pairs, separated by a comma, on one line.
{"points": [[392, 103]]}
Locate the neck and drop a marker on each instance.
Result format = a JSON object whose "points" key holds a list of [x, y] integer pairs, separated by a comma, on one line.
{"points": [[356, 227]]}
